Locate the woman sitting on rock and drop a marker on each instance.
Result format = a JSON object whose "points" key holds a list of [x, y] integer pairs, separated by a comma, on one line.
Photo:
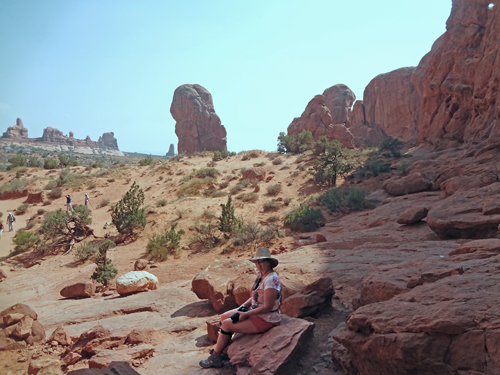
{"points": [[258, 314]]}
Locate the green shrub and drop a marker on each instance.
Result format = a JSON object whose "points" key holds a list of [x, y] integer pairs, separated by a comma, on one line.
{"points": [[274, 190], [128, 215], [287, 201], [248, 232], [236, 189], [21, 210], [206, 172], [248, 197], [34, 162], [344, 199], [245, 157], [67, 161], [271, 205], [30, 224], [161, 203], [193, 187], [253, 154], [227, 220], [393, 146], [302, 167], [50, 163], [295, 144], [17, 161], [223, 184], [163, 245], [261, 164], [24, 240], [305, 219], [85, 251], [209, 215], [205, 235], [374, 167], [146, 161], [105, 270], [103, 203], [331, 164], [15, 185], [277, 161], [219, 155], [55, 193]]}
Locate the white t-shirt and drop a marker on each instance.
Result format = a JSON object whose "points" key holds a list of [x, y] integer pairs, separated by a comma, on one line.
{"points": [[270, 281]]}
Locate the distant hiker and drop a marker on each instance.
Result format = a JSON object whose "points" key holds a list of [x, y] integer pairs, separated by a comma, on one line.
{"points": [[1, 230], [10, 220], [86, 199], [69, 207]]}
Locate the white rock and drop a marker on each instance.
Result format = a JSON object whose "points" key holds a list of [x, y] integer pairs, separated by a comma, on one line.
{"points": [[136, 281]]}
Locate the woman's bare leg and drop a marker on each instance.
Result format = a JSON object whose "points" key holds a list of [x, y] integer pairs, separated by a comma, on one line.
{"points": [[228, 326]]}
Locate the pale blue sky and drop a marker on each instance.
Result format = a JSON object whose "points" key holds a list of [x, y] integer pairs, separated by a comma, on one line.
{"points": [[92, 66]]}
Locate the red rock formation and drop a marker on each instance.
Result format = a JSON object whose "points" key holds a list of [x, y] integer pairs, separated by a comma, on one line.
{"points": [[107, 140], [391, 102], [197, 125], [16, 132], [55, 136], [339, 99], [317, 119], [365, 134], [458, 79]]}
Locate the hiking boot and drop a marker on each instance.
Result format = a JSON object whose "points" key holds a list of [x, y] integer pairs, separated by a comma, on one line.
{"points": [[223, 355], [215, 360]]}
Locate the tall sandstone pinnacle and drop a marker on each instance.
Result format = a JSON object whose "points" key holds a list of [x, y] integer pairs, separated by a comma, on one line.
{"points": [[16, 132], [197, 125]]}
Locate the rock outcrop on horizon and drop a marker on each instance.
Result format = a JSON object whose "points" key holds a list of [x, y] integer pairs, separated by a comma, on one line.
{"points": [[197, 126], [458, 79], [171, 151], [53, 139], [17, 132], [317, 117]]}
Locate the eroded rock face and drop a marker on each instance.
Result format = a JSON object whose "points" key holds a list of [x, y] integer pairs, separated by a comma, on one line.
{"points": [[365, 134], [310, 300], [458, 79], [108, 140], [226, 283], [339, 100], [197, 126], [317, 119], [16, 132], [171, 151], [392, 103]]}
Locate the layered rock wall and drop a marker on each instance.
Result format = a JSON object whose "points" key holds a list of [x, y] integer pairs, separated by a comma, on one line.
{"points": [[458, 80], [197, 126]]}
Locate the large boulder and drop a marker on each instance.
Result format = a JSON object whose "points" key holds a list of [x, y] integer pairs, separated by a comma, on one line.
{"points": [[19, 308], [458, 79], [197, 125], [226, 283], [61, 335], [317, 119], [471, 214], [413, 183], [254, 174], [79, 290], [136, 281], [412, 215], [392, 103], [310, 300], [16, 132], [273, 352]]}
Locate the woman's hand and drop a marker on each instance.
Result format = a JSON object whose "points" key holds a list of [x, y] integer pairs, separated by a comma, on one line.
{"points": [[243, 315]]}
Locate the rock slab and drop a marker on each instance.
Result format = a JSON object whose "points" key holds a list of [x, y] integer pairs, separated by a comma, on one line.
{"points": [[136, 281]]}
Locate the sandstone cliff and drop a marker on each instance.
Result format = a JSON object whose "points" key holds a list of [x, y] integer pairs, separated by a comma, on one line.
{"points": [[197, 125], [18, 131]]}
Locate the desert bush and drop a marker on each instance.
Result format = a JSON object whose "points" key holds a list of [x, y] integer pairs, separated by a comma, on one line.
{"points": [[273, 219], [103, 203], [273, 190], [21, 210], [277, 161], [214, 193], [34, 162], [236, 189], [24, 240], [17, 161], [295, 144], [344, 199], [295, 173], [128, 215], [245, 157], [40, 211], [271, 205], [402, 167], [50, 163], [392, 145], [374, 167], [55, 193], [253, 154], [205, 235], [302, 167], [67, 161], [14, 185], [91, 185], [146, 161], [180, 212], [105, 270], [30, 225], [219, 155], [227, 220], [161, 203], [193, 187], [261, 164], [112, 179], [287, 201], [162, 245], [47, 202], [223, 184], [246, 233], [248, 197], [331, 164], [211, 164], [305, 219], [271, 232], [209, 215], [206, 172], [85, 251]]}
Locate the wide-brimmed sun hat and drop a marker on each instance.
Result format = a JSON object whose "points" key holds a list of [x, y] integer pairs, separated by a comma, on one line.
{"points": [[264, 253]]}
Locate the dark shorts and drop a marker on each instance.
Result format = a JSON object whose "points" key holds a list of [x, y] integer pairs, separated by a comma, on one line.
{"points": [[261, 324]]}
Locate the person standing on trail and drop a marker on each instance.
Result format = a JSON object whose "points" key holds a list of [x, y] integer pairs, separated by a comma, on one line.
{"points": [[86, 199], [10, 220], [69, 207]]}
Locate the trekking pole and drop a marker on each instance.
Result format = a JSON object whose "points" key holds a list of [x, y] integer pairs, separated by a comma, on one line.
{"points": [[91, 205]]}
